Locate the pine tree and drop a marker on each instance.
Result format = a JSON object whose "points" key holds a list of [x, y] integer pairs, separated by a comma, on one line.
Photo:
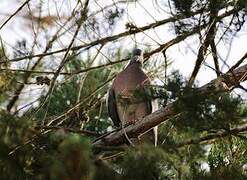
{"points": [[63, 130]]}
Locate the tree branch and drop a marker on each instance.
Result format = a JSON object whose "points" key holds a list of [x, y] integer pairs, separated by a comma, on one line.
{"points": [[55, 128], [210, 35], [26, 76], [162, 47], [12, 15], [224, 82], [109, 38], [215, 57], [232, 131]]}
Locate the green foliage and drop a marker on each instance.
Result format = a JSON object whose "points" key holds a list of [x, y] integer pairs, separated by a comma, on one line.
{"points": [[203, 111], [202, 114], [113, 15], [183, 6], [7, 83], [8, 79], [72, 160], [227, 159], [147, 162], [14, 163], [65, 96], [55, 156], [62, 155], [208, 112], [29, 152], [241, 4]]}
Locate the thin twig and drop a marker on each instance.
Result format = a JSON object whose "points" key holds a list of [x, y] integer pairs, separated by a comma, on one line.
{"points": [[220, 134], [12, 15], [85, 132], [107, 39], [79, 103]]}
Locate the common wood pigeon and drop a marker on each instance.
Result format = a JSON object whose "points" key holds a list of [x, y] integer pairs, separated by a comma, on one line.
{"points": [[126, 101]]}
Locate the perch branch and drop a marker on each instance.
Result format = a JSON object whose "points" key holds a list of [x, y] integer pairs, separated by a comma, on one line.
{"points": [[224, 82]]}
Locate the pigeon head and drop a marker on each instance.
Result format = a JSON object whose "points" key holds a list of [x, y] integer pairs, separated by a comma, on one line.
{"points": [[137, 52], [137, 56]]}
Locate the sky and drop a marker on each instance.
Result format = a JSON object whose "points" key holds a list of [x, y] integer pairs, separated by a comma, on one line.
{"points": [[142, 13]]}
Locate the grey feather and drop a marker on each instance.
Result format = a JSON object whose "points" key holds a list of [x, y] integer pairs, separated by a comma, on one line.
{"points": [[137, 52], [147, 94], [112, 108]]}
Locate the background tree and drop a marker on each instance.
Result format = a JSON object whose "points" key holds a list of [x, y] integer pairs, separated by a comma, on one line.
{"points": [[54, 79]]}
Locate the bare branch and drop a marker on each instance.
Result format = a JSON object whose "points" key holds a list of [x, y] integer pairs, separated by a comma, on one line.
{"points": [[210, 34], [85, 132], [238, 63], [52, 121], [220, 134], [12, 15], [65, 58], [162, 47], [215, 57], [26, 76], [109, 38]]}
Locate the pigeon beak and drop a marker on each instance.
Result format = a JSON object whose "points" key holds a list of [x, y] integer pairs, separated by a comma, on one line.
{"points": [[137, 56], [139, 59]]}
